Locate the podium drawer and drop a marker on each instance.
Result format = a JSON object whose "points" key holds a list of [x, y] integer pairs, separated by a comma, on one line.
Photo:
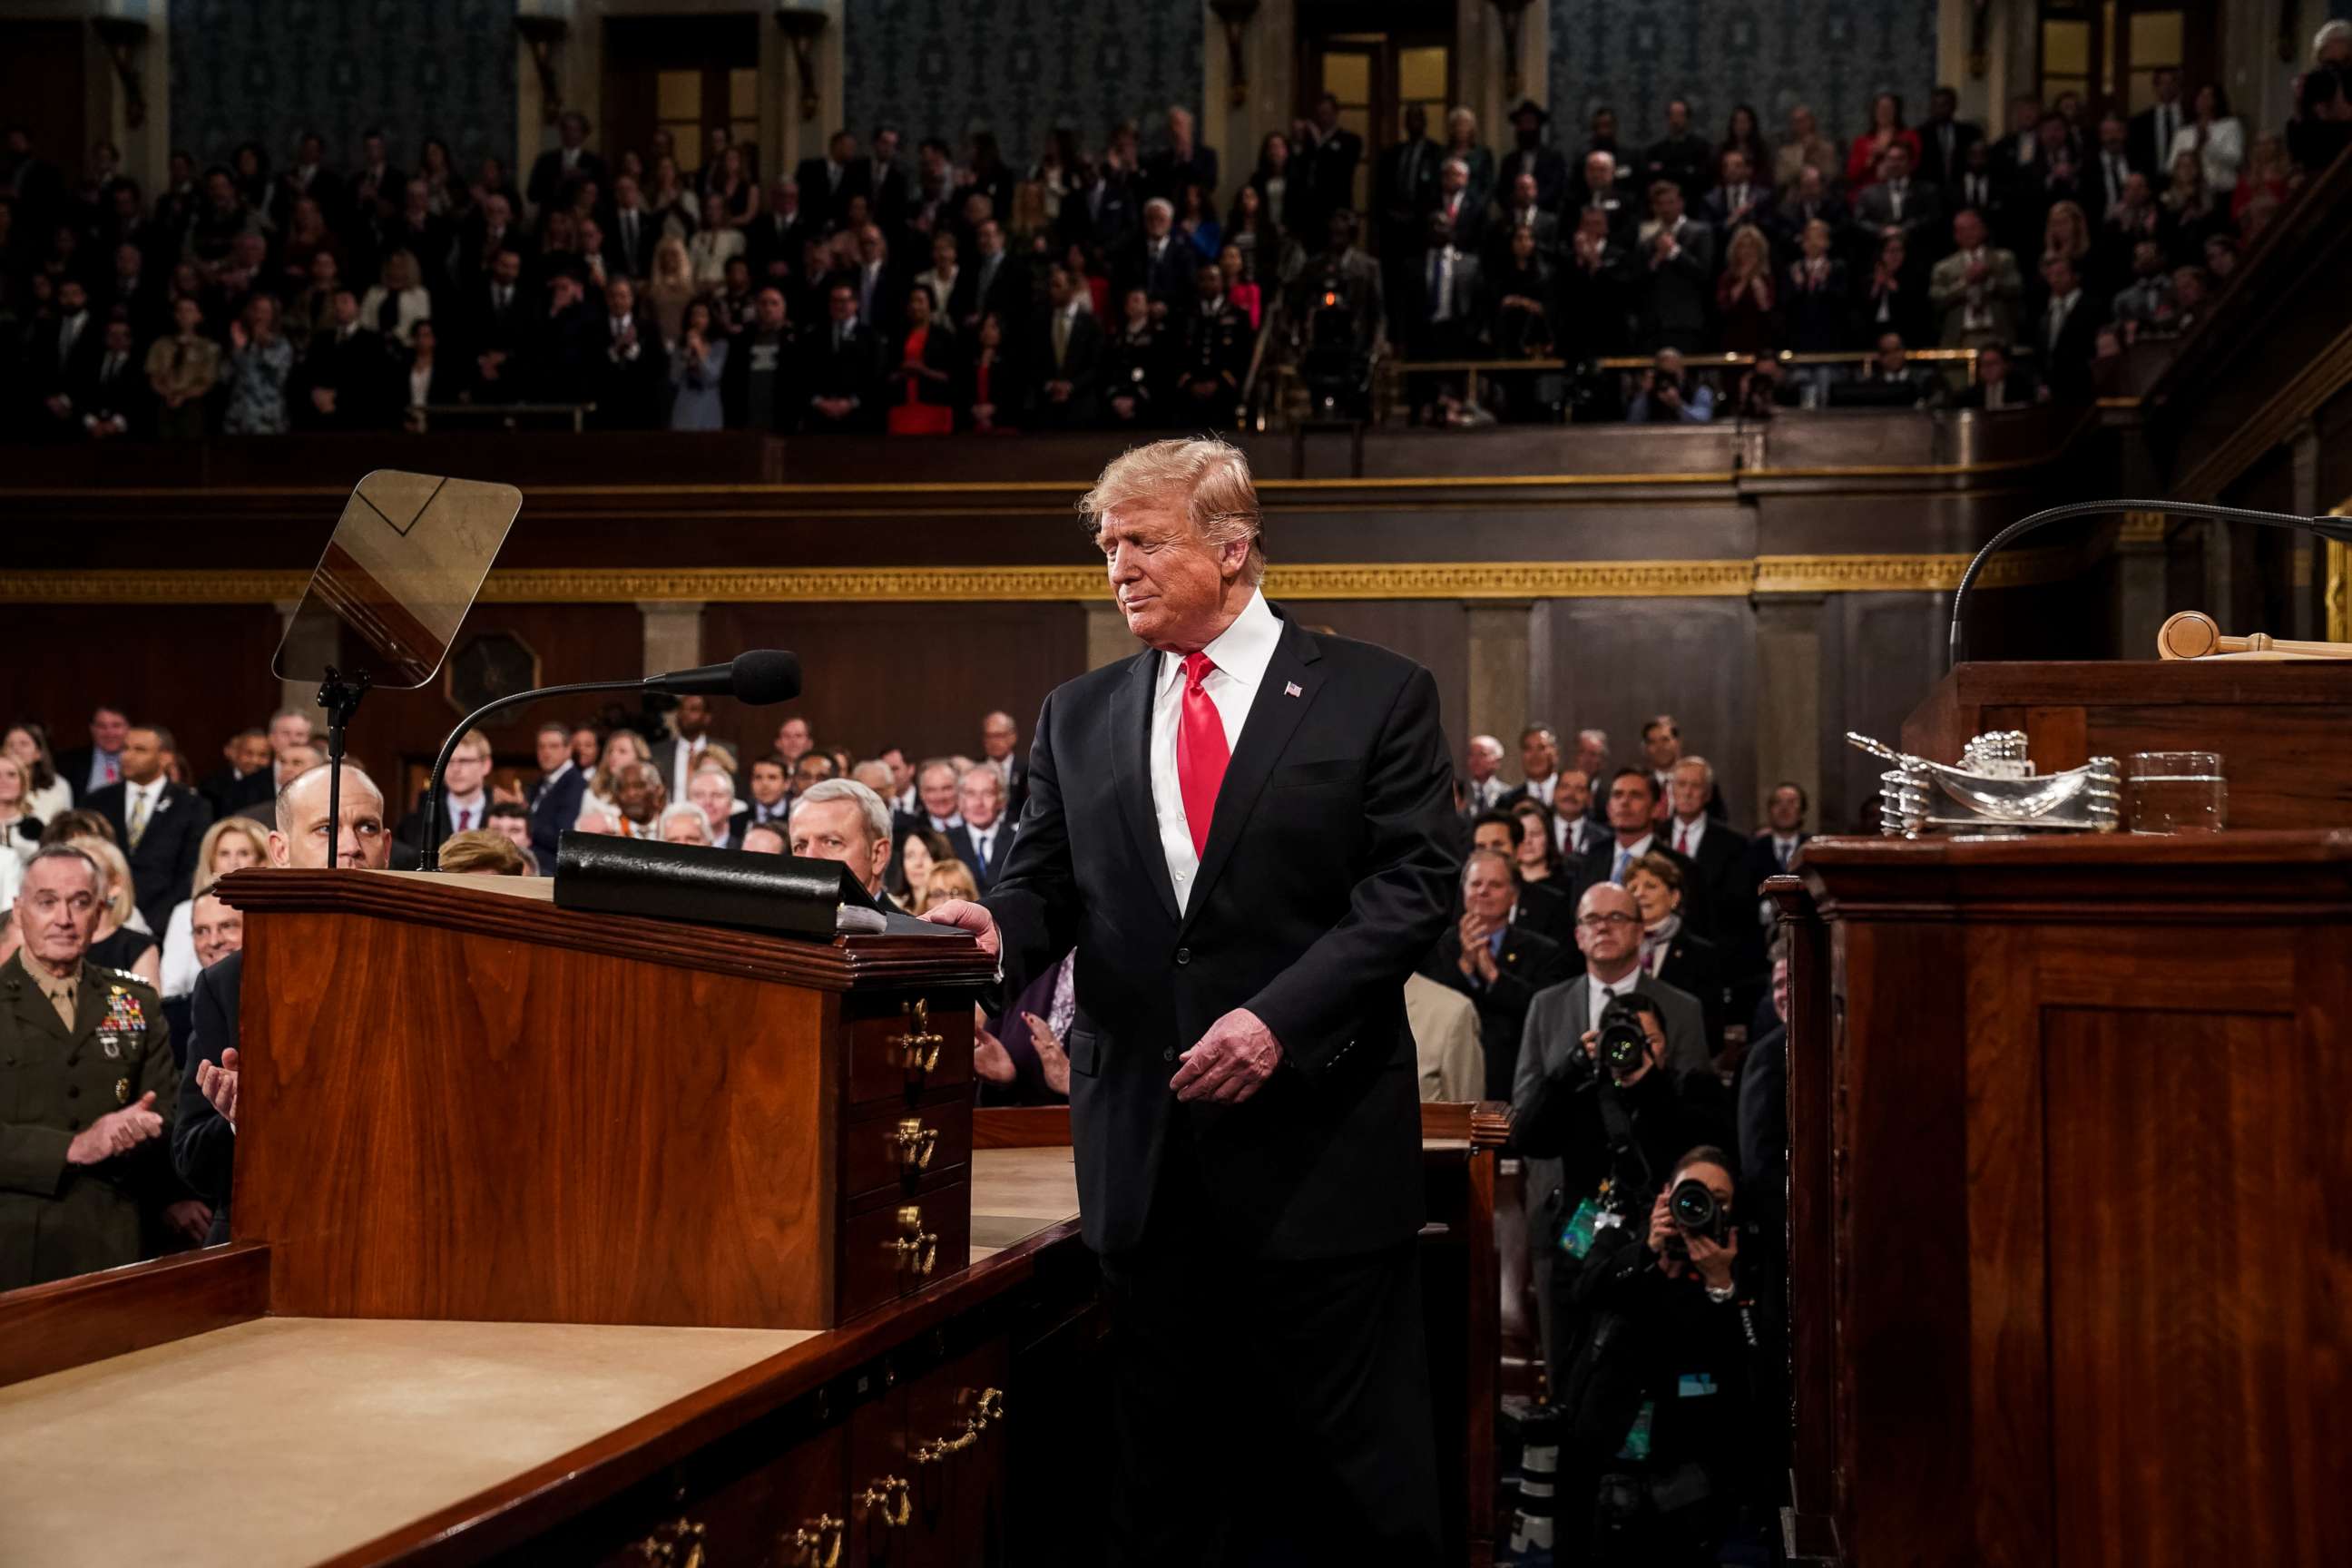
{"points": [[904, 1053], [906, 1148], [897, 1247]]}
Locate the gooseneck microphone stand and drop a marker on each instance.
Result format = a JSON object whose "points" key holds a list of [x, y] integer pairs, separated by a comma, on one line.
{"points": [[2335, 528], [428, 857]]}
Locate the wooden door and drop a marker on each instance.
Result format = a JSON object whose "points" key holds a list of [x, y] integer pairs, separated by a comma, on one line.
{"points": [[690, 76]]}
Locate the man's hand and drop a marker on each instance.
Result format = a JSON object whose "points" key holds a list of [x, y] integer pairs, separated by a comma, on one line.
{"points": [[990, 1059], [1237, 1055], [973, 918], [507, 795], [116, 1132], [219, 1084], [1051, 1056], [192, 1218]]}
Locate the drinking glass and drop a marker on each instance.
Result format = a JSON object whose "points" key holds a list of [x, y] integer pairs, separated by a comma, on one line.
{"points": [[2175, 792]]}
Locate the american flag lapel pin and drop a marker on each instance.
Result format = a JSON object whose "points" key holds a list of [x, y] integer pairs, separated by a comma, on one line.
{"points": [[1290, 689]]}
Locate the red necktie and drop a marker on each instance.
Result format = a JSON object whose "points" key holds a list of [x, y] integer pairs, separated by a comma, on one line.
{"points": [[1682, 839], [1201, 752]]}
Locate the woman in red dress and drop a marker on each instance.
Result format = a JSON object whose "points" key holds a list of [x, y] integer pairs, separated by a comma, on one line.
{"points": [[1886, 128], [918, 386]]}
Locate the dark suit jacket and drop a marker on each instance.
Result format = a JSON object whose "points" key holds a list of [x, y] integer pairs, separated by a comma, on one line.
{"points": [[625, 260], [125, 393], [854, 369], [1763, 1092], [828, 191], [164, 864], [959, 837], [1169, 279], [2066, 365], [548, 178], [1922, 213], [73, 767], [555, 808], [1007, 295], [1081, 367], [1938, 165], [1401, 200], [1694, 966], [1527, 963], [631, 393], [227, 793], [1602, 859], [2141, 144], [1547, 910], [1327, 876], [1720, 865], [203, 1144]]}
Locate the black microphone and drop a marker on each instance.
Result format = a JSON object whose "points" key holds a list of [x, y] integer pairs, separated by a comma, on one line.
{"points": [[759, 677], [764, 675], [2335, 528]]}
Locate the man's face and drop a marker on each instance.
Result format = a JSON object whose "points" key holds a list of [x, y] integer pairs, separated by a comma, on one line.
{"points": [[1486, 889], [762, 841], [249, 753], [512, 827], [1537, 755], [998, 736], [714, 794], [1600, 172], [217, 930], [1992, 365], [1781, 989], [2112, 133], [142, 756], [1967, 231], [2167, 85], [1495, 836], [841, 305], [794, 738], [980, 797], [1786, 810], [770, 307], [1592, 755], [693, 715], [1662, 745], [1572, 796], [296, 761], [685, 829], [1607, 925], [1523, 191], [552, 750], [1691, 787], [1666, 205], [1677, 117], [767, 782], [1209, 283], [507, 267], [813, 768], [1632, 799], [836, 830], [1416, 121], [989, 237], [902, 769], [1157, 220], [127, 260], [1890, 353], [1168, 581], [362, 843], [107, 729], [1943, 105], [347, 308], [1485, 756], [621, 296], [468, 766], [57, 909], [1735, 169], [1897, 159], [633, 792], [1452, 178], [939, 792]]}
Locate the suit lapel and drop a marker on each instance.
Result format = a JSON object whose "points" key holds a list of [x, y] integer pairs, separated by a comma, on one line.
{"points": [[1274, 717], [1130, 769]]}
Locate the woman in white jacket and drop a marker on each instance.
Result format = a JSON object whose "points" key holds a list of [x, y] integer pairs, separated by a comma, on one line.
{"points": [[2216, 136]]}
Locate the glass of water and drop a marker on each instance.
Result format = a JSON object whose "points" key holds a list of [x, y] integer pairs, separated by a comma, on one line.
{"points": [[2175, 792]]}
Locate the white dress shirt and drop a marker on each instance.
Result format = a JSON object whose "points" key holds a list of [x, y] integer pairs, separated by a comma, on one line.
{"points": [[689, 757], [1687, 835], [469, 812], [151, 793], [1241, 654], [984, 840], [1541, 790], [1597, 994], [1629, 853]]}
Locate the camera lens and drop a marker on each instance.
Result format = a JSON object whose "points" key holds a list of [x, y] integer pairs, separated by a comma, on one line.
{"points": [[1693, 1208]]}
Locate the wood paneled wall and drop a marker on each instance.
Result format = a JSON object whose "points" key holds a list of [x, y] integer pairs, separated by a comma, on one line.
{"points": [[201, 669]]}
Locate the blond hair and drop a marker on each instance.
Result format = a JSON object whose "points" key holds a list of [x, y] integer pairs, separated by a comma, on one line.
{"points": [[1208, 477], [482, 852], [116, 870], [243, 827]]}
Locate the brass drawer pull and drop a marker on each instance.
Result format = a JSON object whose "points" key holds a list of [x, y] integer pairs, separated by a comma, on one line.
{"points": [[817, 1543], [919, 1048], [890, 1499], [988, 1407], [918, 1249], [677, 1545], [917, 1143]]}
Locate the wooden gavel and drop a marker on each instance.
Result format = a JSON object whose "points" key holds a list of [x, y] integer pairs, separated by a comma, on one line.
{"points": [[2192, 633]]}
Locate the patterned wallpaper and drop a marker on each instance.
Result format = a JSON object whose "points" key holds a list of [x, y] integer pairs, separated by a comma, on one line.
{"points": [[265, 70], [1019, 68], [1830, 55]]}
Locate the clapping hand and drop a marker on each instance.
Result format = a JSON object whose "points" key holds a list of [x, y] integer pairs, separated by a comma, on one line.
{"points": [[192, 1218], [1051, 1056], [219, 1084], [116, 1132], [990, 1059], [1237, 1055]]}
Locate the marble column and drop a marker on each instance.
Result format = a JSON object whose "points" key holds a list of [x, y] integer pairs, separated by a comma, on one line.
{"points": [[1787, 700], [312, 652], [673, 633], [1498, 642], [1108, 638]]}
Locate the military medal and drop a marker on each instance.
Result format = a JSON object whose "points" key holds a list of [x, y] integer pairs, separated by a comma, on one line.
{"points": [[122, 1092]]}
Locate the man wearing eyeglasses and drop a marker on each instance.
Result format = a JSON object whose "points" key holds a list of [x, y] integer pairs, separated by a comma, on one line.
{"points": [[1608, 934]]}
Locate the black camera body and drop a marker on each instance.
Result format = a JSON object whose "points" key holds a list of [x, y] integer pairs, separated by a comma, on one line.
{"points": [[1625, 1043], [1693, 1208]]}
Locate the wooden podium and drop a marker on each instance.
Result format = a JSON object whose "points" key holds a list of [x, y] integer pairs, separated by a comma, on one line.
{"points": [[2069, 1260], [480, 1106]]}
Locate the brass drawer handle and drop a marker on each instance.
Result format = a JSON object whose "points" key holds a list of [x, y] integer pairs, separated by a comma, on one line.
{"points": [[665, 1544], [988, 1407], [890, 1499], [919, 1048], [917, 1143], [817, 1543], [918, 1249]]}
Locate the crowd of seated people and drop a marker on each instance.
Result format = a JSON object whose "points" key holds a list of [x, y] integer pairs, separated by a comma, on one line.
{"points": [[1112, 286], [1591, 878]]}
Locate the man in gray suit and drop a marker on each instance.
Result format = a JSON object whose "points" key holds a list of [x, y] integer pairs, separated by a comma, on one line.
{"points": [[1608, 934]]}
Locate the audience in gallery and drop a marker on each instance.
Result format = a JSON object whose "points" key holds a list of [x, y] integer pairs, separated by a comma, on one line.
{"points": [[232, 300]]}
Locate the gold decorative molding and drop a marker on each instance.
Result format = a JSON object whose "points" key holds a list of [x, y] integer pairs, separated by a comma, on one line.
{"points": [[2338, 601], [1514, 580], [2141, 528]]}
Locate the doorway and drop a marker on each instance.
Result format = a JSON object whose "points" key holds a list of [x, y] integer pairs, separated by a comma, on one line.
{"points": [[2107, 52], [1377, 59], [687, 75]]}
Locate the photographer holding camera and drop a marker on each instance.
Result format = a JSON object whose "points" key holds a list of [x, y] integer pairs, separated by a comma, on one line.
{"points": [[1658, 1403]]}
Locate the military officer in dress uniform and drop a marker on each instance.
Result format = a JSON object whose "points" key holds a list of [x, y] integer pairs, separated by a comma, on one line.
{"points": [[1215, 354], [86, 1091]]}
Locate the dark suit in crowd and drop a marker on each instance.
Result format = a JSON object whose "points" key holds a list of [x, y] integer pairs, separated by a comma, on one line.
{"points": [[163, 861], [1526, 964], [203, 1145], [1327, 874]]}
